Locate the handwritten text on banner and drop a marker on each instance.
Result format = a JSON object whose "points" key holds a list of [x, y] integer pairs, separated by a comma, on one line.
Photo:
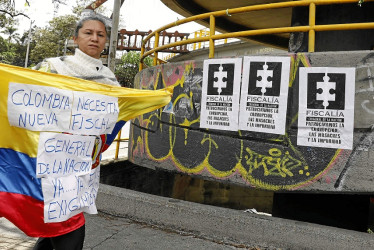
{"points": [[64, 154], [40, 108], [67, 196], [93, 114]]}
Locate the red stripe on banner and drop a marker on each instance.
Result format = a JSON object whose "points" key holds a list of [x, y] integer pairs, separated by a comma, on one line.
{"points": [[27, 214]]}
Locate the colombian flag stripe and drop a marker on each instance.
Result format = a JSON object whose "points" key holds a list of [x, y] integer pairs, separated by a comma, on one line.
{"points": [[17, 174], [25, 211]]}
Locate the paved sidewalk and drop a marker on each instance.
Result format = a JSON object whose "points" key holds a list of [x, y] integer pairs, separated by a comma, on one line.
{"points": [[230, 226], [13, 238], [187, 225], [105, 232], [108, 232]]}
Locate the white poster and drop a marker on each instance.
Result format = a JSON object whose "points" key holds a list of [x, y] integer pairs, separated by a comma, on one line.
{"points": [[326, 107], [64, 154], [64, 161], [264, 93], [39, 108], [67, 196], [93, 114], [220, 94]]}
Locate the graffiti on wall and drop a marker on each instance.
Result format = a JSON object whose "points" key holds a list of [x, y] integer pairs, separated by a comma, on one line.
{"points": [[175, 140]]}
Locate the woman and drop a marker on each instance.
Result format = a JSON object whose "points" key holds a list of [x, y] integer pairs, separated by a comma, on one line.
{"points": [[90, 36]]}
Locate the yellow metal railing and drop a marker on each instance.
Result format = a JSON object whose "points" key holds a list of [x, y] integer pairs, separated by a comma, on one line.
{"points": [[212, 37], [118, 140], [196, 46]]}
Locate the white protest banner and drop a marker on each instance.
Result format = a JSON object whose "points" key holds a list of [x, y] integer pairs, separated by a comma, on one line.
{"points": [[39, 108], [326, 107], [93, 114], [220, 94], [67, 196], [64, 161], [264, 93], [64, 154]]}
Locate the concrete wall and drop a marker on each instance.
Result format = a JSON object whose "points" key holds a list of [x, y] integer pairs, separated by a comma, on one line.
{"points": [[175, 142], [232, 49]]}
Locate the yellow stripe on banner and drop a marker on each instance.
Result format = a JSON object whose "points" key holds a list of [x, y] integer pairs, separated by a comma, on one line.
{"points": [[132, 102]]}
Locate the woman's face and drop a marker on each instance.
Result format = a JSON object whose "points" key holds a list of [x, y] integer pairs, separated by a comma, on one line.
{"points": [[91, 38]]}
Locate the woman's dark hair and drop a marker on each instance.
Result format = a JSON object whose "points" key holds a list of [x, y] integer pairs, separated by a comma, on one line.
{"points": [[80, 23]]}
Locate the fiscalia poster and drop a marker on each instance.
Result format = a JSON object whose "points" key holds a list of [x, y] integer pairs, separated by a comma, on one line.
{"points": [[326, 107]]}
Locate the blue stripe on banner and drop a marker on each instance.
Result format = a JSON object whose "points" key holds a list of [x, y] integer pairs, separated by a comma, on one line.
{"points": [[18, 174], [110, 137]]}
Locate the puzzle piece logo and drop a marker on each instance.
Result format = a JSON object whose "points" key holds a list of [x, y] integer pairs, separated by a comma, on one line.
{"points": [[221, 79], [325, 87], [265, 78], [326, 91]]}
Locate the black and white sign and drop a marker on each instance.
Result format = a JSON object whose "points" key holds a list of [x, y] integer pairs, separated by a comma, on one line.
{"points": [[220, 94], [263, 102], [326, 107]]}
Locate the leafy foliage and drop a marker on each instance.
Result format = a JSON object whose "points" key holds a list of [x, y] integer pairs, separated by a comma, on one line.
{"points": [[7, 8], [6, 52], [128, 67], [12, 48], [12, 44]]}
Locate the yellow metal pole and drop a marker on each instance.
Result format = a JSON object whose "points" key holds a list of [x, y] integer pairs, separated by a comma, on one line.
{"points": [[201, 35], [155, 59], [141, 65], [212, 24], [194, 45], [117, 146], [312, 23], [344, 26]]}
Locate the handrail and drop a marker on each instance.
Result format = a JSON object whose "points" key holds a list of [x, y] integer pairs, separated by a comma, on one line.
{"points": [[311, 28]]}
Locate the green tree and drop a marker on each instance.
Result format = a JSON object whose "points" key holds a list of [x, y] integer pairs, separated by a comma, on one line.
{"points": [[50, 41], [10, 41], [10, 32], [19, 59], [12, 45], [8, 26], [8, 9], [7, 53], [128, 67], [13, 53]]}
